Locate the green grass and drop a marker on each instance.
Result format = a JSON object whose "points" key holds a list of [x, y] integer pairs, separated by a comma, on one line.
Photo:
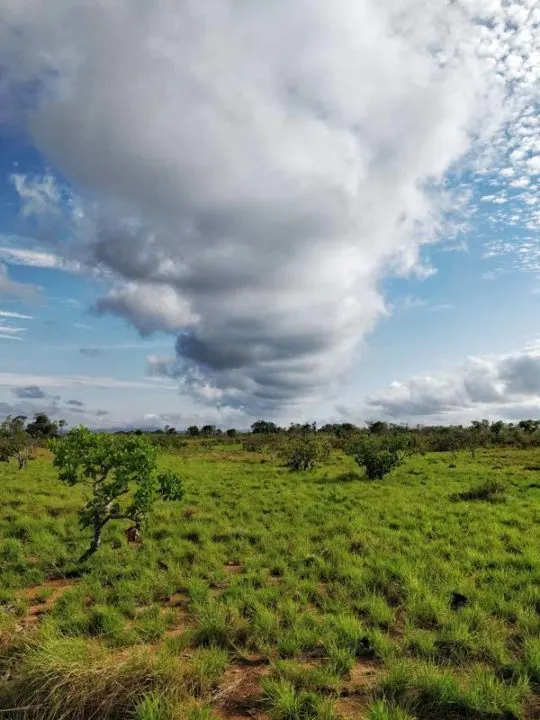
{"points": [[310, 576]]}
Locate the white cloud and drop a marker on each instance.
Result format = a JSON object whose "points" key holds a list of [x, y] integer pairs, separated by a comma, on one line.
{"points": [[251, 171], [14, 315], [35, 258], [11, 380], [5, 336], [149, 307], [11, 329], [38, 195], [492, 386]]}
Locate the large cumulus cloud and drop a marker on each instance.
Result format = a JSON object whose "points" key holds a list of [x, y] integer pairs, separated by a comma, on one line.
{"points": [[247, 172]]}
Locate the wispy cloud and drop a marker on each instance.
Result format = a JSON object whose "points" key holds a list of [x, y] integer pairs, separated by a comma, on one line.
{"points": [[38, 259], [12, 380], [14, 315], [10, 329], [5, 336]]}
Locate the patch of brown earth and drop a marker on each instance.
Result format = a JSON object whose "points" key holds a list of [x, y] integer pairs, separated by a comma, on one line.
{"points": [[55, 586], [363, 677], [177, 600], [532, 709], [351, 708], [239, 693]]}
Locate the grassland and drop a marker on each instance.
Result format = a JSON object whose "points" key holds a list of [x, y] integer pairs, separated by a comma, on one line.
{"points": [[279, 595]]}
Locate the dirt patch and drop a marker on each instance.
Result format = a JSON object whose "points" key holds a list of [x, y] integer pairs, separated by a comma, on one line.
{"points": [[55, 588], [351, 707], [363, 677], [532, 709], [239, 693], [177, 600], [233, 567]]}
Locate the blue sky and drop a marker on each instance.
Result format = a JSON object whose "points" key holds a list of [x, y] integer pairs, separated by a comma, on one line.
{"points": [[183, 239]]}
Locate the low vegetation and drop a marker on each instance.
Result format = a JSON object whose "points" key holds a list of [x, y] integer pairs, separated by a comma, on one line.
{"points": [[306, 595]]}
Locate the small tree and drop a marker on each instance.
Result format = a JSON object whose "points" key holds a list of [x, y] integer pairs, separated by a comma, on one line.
{"points": [[120, 472], [15, 442], [376, 458], [231, 432], [193, 430], [303, 453]]}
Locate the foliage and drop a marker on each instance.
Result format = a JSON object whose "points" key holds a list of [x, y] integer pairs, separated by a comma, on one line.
{"points": [[263, 427], [120, 472], [15, 442], [377, 458], [43, 428], [303, 453]]}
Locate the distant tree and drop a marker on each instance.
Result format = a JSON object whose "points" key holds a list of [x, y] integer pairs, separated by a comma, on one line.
{"points": [[346, 429], [120, 472], [42, 428], [193, 430], [169, 430], [231, 432], [302, 428], [378, 427], [497, 429], [15, 442], [208, 430], [528, 426], [263, 427]]}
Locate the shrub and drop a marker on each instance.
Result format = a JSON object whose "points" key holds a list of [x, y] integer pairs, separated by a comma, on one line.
{"points": [[377, 458], [15, 442], [303, 453]]}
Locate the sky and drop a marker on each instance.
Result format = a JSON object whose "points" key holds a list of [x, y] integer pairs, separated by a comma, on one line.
{"points": [[301, 210]]}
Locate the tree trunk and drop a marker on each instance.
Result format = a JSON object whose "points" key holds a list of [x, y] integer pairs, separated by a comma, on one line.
{"points": [[94, 545]]}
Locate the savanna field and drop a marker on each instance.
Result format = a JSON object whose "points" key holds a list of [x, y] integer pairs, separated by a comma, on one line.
{"points": [[267, 593]]}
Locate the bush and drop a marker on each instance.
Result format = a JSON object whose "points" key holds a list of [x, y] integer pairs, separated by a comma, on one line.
{"points": [[376, 458], [302, 453]]}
